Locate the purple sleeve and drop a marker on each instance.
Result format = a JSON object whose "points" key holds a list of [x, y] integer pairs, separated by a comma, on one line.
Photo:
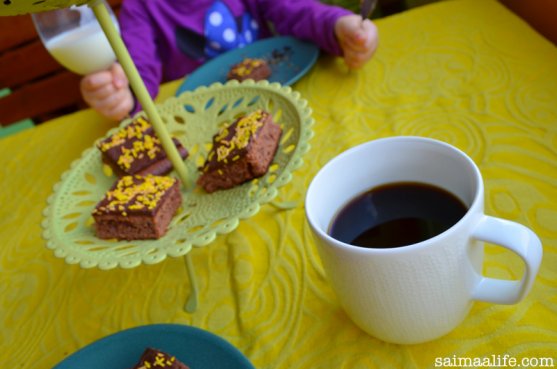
{"points": [[308, 20], [139, 36]]}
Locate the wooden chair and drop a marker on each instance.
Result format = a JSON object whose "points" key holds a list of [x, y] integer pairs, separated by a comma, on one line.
{"points": [[540, 14], [40, 88]]}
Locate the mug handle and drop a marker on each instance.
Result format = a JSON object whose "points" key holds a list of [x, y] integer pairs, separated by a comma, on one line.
{"points": [[518, 239]]}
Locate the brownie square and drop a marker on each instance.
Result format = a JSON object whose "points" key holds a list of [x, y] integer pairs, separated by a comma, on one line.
{"points": [[241, 151], [135, 149], [156, 359], [137, 208], [256, 69]]}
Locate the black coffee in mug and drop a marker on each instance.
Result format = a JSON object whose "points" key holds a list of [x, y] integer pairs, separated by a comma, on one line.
{"points": [[397, 214]]}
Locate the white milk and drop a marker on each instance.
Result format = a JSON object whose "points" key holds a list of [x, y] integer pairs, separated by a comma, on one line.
{"points": [[83, 50]]}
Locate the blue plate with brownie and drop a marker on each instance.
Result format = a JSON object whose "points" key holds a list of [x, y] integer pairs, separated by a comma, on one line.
{"points": [[287, 60], [171, 346]]}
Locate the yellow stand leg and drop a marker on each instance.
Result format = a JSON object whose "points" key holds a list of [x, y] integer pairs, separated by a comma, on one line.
{"points": [[191, 303], [138, 87]]}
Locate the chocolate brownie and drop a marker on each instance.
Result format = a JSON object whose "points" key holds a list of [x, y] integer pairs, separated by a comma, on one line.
{"points": [[156, 359], [240, 152], [135, 149], [137, 207], [256, 69]]}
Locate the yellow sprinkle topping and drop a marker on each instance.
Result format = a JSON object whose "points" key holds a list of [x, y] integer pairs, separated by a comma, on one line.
{"points": [[160, 360], [144, 145], [222, 134], [246, 128], [137, 193], [147, 145], [246, 67], [136, 129]]}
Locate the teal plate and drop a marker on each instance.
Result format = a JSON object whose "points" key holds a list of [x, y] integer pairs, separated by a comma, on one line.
{"points": [[195, 347], [289, 58]]}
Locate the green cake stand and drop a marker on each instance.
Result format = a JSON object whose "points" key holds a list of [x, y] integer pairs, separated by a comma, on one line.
{"points": [[193, 118]]}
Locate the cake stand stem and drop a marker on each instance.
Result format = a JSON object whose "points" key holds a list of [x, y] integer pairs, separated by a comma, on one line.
{"points": [[139, 89], [191, 303]]}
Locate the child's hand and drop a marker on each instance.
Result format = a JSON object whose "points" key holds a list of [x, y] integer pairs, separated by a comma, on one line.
{"points": [[358, 39], [108, 92]]}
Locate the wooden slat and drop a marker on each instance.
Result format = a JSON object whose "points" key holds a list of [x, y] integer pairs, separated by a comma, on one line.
{"points": [[25, 64], [15, 31], [541, 14], [46, 95]]}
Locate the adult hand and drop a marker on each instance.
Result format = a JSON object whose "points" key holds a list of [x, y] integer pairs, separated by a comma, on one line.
{"points": [[108, 92], [358, 39]]}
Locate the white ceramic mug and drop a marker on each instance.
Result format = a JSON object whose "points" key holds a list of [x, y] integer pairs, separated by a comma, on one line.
{"points": [[419, 292]]}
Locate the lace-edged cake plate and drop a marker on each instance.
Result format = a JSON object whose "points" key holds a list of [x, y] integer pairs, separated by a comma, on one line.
{"points": [[193, 118]]}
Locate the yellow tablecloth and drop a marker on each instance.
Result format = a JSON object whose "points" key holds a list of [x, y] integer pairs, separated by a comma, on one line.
{"points": [[467, 72]]}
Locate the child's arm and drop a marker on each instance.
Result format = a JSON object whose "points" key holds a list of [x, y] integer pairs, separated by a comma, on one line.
{"points": [[336, 30], [358, 39], [308, 20], [108, 92], [138, 30]]}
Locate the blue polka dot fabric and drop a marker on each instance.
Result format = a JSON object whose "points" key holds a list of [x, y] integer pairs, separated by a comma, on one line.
{"points": [[223, 32]]}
